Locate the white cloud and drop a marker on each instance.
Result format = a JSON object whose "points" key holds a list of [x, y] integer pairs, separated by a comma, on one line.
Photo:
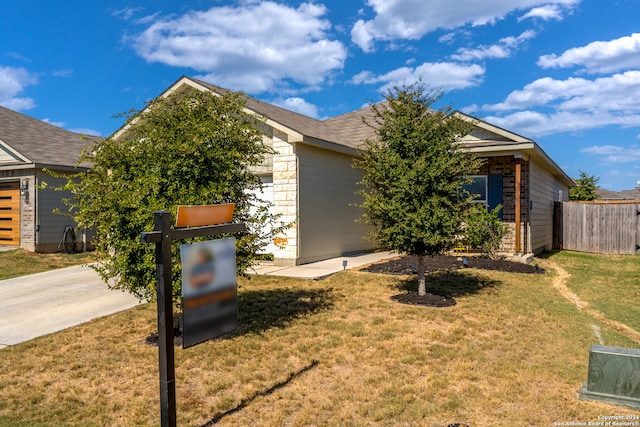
{"points": [[147, 19], [599, 56], [62, 73], [502, 49], [536, 124], [438, 75], [51, 122], [86, 131], [547, 106], [12, 82], [256, 47], [546, 13], [299, 105], [412, 19], [618, 92], [127, 13], [614, 153]]}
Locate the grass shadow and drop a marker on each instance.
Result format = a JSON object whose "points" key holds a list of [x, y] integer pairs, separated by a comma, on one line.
{"points": [[260, 310], [548, 254], [450, 283], [246, 401]]}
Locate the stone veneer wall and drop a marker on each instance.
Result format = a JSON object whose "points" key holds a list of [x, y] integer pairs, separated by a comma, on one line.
{"points": [[27, 206], [506, 166], [285, 199]]}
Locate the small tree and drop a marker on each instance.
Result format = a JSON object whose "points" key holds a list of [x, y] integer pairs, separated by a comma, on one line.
{"points": [[413, 174], [585, 188], [184, 149], [484, 229]]}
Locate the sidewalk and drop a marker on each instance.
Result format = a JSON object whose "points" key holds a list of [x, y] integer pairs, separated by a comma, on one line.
{"points": [[43, 303], [320, 269]]}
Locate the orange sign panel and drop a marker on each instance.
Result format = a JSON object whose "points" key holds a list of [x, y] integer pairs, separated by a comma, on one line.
{"points": [[201, 215]]}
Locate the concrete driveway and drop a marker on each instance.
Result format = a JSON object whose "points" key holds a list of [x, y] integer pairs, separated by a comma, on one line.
{"points": [[43, 303]]}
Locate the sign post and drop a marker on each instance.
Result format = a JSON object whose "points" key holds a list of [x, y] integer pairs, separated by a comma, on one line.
{"points": [[162, 235], [164, 279]]}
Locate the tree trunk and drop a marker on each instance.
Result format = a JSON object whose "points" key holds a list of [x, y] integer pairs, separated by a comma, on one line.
{"points": [[422, 288]]}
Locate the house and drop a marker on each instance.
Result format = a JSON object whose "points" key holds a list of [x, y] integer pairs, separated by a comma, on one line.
{"points": [[521, 177], [312, 183], [29, 147]]}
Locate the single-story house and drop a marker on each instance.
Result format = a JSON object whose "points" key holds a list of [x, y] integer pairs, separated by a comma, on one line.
{"points": [[28, 147], [312, 183]]}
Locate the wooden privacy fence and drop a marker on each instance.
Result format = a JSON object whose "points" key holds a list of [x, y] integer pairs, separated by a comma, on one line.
{"points": [[603, 227]]}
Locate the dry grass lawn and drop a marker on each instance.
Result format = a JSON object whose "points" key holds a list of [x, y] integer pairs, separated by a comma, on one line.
{"points": [[18, 262], [338, 351]]}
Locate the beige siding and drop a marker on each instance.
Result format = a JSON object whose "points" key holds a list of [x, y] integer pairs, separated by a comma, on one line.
{"points": [[327, 186], [7, 157], [544, 189], [480, 134]]}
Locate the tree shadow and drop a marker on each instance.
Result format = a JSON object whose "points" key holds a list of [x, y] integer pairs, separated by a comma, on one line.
{"points": [[246, 401], [260, 310], [450, 283]]}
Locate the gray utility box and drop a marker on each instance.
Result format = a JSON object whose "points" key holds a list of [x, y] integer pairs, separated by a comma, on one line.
{"points": [[614, 376]]}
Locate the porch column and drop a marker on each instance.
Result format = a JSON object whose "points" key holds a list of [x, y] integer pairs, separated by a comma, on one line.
{"points": [[517, 201]]}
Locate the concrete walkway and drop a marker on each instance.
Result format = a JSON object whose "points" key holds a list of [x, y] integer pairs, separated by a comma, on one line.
{"points": [[320, 269], [43, 303]]}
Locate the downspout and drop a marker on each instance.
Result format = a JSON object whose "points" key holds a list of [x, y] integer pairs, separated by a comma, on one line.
{"points": [[518, 158]]}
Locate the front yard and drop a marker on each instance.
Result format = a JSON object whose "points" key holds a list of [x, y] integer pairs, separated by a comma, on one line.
{"points": [[513, 351], [19, 263]]}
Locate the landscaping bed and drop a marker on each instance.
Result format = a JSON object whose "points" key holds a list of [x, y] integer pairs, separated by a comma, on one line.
{"points": [[403, 265]]}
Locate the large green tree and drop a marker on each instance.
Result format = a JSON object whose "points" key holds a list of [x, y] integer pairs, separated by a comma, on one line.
{"points": [[586, 188], [183, 149], [413, 173]]}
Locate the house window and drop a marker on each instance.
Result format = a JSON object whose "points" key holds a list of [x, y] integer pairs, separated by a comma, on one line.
{"points": [[486, 189], [478, 188]]}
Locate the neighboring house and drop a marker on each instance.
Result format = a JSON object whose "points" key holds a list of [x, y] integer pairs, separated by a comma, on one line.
{"points": [[27, 147], [312, 183], [605, 194]]}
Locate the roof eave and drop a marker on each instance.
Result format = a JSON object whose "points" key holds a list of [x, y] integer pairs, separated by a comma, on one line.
{"points": [[530, 148], [332, 146]]}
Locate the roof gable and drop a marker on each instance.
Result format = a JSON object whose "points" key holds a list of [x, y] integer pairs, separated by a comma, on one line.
{"points": [[306, 129], [25, 140]]}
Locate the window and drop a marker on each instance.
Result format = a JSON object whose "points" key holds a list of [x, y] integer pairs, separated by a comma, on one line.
{"points": [[478, 188]]}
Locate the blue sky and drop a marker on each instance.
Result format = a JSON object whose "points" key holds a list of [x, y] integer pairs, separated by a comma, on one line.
{"points": [[565, 73]]}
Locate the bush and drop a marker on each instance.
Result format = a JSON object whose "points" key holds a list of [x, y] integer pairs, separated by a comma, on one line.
{"points": [[485, 230]]}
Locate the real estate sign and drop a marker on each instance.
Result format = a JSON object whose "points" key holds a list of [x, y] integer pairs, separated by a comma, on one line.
{"points": [[209, 290]]}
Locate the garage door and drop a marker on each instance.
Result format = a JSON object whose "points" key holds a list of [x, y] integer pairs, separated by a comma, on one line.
{"points": [[10, 213]]}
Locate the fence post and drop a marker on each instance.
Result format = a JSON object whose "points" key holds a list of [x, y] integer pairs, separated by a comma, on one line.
{"points": [[558, 219]]}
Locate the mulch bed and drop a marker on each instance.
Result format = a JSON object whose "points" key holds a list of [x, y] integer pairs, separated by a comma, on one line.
{"points": [[429, 300], [408, 265], [402, 265]]}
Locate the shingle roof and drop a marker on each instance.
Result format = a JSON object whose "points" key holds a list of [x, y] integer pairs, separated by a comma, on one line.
{"points": [[354, 125], [307, 126], [39, 142]]}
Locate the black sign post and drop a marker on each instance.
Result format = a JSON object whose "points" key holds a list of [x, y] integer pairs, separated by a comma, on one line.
{"points": [[162, 235]]}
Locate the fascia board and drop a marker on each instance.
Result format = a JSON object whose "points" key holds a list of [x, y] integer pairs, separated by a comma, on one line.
{"points": [[13, 152]]}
